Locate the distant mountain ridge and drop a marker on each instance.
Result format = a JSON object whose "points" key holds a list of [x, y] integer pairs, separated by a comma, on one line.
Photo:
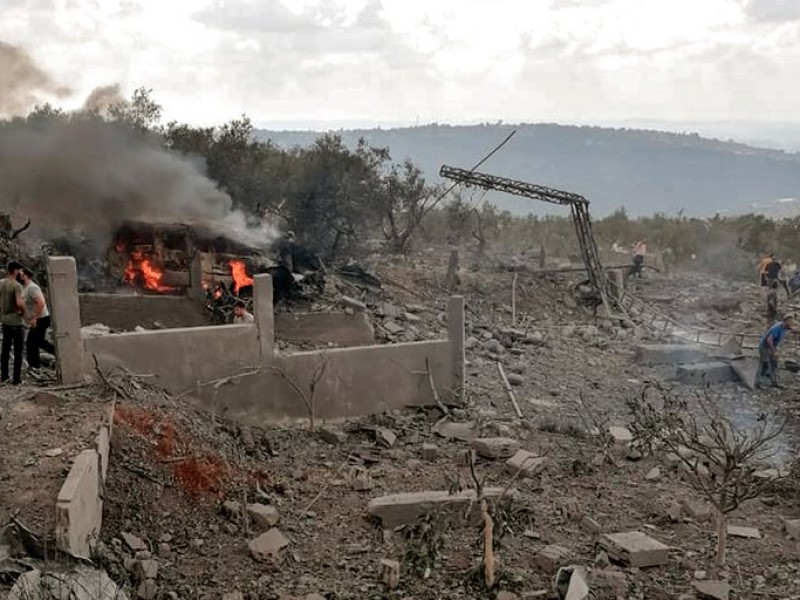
{"points": [[645, 171]]}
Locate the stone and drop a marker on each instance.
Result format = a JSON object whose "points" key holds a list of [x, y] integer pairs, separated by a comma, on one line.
{"points": [[616, 581], [589, 525], [353, 303], [744, 532], [515, 379], [457, 431], [601, 561], [550, 558], [407, 508], [390, 573], [268, 546], [148, 569], [134, 544], [635, 549], [653, 474], [569, 508], [332, 436], [361, 480], [263, 516], [571, 583], [527, 463], [385, 437], [696, 510], [164, 551], [147, 590], [54, 452], [411, 318], [233, 596], [792, 529], [232, 509], [430, 452], [393, 328], [498, 447], [746, 369], [712, 589], [621, 436]]}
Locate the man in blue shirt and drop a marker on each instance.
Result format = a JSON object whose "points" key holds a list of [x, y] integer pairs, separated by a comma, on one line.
{"points": [[768, 349]]}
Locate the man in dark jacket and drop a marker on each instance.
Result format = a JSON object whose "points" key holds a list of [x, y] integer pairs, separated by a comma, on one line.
{"points": [[12, 310]]}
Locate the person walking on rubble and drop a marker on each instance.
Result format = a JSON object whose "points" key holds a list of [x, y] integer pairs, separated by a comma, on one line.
{"points": [[639, 252], [37, 317], [762, 270], [768, 350], [12, 320]]}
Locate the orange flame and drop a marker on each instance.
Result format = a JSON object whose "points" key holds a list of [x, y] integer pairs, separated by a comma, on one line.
{"points": [[142, 271], [240, 277]]}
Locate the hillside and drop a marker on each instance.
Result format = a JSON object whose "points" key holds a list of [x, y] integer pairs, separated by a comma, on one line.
{"points": [[644, 171]]}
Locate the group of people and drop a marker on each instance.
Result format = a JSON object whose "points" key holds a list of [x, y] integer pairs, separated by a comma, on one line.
{"points": [[25, 319], [770, 278]]}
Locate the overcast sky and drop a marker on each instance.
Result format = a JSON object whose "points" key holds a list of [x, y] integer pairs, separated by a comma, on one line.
{"points": [[345, 62]]}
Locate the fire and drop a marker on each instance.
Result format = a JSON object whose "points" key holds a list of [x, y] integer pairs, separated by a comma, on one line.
{"points": [[240, 277], [141, 271]]}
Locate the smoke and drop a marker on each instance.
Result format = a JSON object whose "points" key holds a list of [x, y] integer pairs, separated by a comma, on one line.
{"points": [[22, 81], [102, 98], [86, 176]]}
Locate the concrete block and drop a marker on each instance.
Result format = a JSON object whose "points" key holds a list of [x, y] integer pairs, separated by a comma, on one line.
{"points": [[79, 506], [332, 435], [744, 532], [746, 370], [550, 558], [707, 372], [390, 573], [264, 314], [712, 590], [339, 329], [455, 335], [430, 452], [635, 549], [572, 583], [268, 546], [65, 311], [262, 515], [528, 463], [621, 436], [499, 447], [792, 528], [669, 354], [407, 508]]}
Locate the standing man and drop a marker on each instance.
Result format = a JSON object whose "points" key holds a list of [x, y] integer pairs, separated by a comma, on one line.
{"points": [[639, 252], [12, 310], [768, 349], [37, 317], [240, 314], [772, 303]]}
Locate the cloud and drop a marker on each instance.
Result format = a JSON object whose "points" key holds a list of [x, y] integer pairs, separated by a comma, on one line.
{"points": [[772, 11]]}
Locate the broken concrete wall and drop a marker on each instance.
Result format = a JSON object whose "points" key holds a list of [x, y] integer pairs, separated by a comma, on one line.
{"points": [[123, 312], [338, 329]]}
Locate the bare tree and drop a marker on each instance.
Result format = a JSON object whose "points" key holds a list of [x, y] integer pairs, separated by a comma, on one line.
{"points": [[405, 202], [308, 395], [718, 455]]}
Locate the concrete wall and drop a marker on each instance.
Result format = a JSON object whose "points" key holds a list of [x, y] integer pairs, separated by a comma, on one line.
{"points": [[337, 329], [123, 312]]}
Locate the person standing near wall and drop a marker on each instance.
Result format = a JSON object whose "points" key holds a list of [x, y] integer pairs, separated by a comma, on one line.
{"points": [[37, 317], [639, 252], [12, 310]]}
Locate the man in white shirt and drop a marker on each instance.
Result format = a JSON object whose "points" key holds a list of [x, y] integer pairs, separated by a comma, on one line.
{"points": [[240, 314], [37, 318]]}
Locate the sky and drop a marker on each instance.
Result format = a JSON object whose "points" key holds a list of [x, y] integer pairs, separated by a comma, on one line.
{"points": [[332, 63]]}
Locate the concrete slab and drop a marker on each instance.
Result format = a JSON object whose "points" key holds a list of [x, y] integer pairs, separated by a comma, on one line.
{"points": [[495, 447], [706, 372], [744, 532], [712, 589], [79, 506], [669, 354], [528, 463], [407, 508], [338, 329], [746, 370], [550, 558], [635, 549]]}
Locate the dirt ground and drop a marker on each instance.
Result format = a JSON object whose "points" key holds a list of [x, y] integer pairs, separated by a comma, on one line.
{"points": [[172, 466]]}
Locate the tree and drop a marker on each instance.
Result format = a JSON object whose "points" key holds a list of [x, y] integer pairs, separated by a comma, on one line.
{"points": [[717, 454], [405, 201], [140, 112]]}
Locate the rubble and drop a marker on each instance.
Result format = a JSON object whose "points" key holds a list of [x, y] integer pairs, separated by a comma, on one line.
{"points": [[263, 516], [653, 474], [589, 525], [712, 589], [457, 431], [705, 373], [550, 558], [621, 436], [385, 437], [744, 532], [430, 452], [268, 546], [635, 549], [390, 573], [332, 436], [76, 583], [404, 509], [527, 463], [698, 511], [134, 544], [792, 529], [571, 583], [494, 448]]}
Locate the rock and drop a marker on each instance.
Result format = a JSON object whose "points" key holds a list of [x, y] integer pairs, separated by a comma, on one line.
{"points": [[361, 481], [53, 453], [601, 561], [571, 583], [430, 452], [147, 590], [457, 431], [411, 318], [268, 546], [696, 510], [700, 575], [79, 582], [673, 511], [164, 551], [498, 447], [621, 436], [233, 596], [390, 573], [515, 379], [569, 508], [635, 549], [494, 347], [353, 303], [332, 436], [744, 532], [263, 516], [385, 437], [712, 589], [147, 569], [232, 509], [527, 463], [143, 555], [404, 509], [634, 454], [393, 328], [134, 544], [792, 528], [550, 558], [616, 581], [653, 474], [589, 525]]}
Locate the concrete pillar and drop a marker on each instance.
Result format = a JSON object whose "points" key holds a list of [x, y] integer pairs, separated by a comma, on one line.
{"points": [[456, 334], [616, 278], [196, 290], [264, 314], [65, 311]]}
